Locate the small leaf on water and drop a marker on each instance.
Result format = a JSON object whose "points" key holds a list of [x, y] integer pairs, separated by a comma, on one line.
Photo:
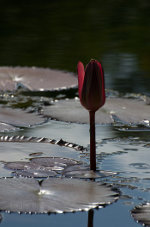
{"points": [[53, 195]]}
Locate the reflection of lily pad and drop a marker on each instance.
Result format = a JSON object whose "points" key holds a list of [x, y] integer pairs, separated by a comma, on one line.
{"points": [[53, 195], [115, 110], [20, 118], [34, 78], [142, 214]]}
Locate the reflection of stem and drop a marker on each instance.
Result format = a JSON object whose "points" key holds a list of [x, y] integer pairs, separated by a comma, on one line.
{"points": [[90, 218], [92, 141]]}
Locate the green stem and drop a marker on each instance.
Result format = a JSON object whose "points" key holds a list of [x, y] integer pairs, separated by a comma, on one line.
{"points": [[92, 141]]}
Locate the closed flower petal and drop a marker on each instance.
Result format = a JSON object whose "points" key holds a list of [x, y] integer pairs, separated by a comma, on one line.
{"points": [[91, 85]]}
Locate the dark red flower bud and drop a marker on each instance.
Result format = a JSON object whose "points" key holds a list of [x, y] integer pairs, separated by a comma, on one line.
{"points": [[91, 85]]}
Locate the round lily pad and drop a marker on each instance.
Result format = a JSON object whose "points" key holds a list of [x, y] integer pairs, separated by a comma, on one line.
{"points": [[34, 78], [54, 195], [142, 214], [122, 110], [19, 118]]}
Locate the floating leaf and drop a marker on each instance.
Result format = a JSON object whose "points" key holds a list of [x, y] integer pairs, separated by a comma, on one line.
{"points": [[34, 78], [40, 167], [6, 82], [36, 173], [72, 111], [7, 128], [80, 171], [26, 139], [53, 195], [15, 155], [51, 161], [19, 118], [142, 214], [122, 110]]}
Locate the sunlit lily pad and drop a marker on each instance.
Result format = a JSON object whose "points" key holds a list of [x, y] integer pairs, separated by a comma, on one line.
{"points": [[34, 78], [122, 110], [53, 195], [142, 214], [19, 118]]}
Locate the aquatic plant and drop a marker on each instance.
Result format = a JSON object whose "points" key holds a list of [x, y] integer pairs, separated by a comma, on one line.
{"points": [[92, 97]]}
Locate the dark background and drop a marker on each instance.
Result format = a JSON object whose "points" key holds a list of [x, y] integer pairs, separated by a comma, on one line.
{"points": [[59, 33]]}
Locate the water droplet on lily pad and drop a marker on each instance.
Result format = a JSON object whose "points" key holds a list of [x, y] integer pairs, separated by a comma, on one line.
{"points": [[142, 214], [54, 195]]}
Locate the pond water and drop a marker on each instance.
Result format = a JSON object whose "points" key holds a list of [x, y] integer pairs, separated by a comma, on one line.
{"points": [[57, 34]]}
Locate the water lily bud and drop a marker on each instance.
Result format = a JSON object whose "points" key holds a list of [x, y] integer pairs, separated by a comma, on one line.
{"points": [[91, 85]]}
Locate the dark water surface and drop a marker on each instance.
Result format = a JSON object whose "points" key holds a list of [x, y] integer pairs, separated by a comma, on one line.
{"points": [[57, 34]]}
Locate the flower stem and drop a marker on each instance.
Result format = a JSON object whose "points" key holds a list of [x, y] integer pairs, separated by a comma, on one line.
{"points": [[90, 218], [92, 141]]}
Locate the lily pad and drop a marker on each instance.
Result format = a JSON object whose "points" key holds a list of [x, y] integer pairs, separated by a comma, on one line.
{"points": [[15, 151], [54, 161], [40, 167], [7, 128], [34, 78], [122, 110], [19, 118], [142, 214], [53, 195], [28, 169], [20, 151], [84, 172]]}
